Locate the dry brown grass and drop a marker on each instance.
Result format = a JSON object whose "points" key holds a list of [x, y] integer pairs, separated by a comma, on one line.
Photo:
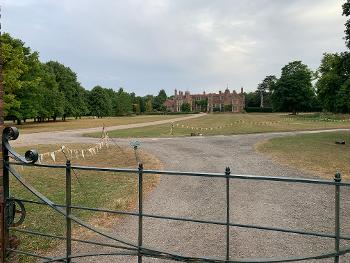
{"points": [[314, 153], [116, 191], [228, 123]]}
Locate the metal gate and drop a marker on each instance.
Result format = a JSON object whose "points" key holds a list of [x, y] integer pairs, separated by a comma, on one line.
{"points": [[12, 206]]}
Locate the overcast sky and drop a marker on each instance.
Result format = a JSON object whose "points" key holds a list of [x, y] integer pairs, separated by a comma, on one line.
{"points": [[195, 45]]}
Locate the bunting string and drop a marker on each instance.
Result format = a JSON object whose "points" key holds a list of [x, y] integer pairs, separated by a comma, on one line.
{"points": [[222, 126], [71, 153], [258, 123]]}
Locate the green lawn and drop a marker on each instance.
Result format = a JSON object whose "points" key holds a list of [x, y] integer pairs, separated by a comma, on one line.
{"points": [[87, 122], [226, 124], [91, 189], [314, 153]]}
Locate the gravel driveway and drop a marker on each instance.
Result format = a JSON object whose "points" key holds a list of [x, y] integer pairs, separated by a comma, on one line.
{"points": [[277, 204]]}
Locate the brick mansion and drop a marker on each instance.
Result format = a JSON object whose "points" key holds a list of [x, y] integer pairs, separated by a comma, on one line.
{"points": [[223, 101]]}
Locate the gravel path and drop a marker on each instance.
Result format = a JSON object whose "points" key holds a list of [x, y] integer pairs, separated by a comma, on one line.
{"points": [[277, 204], [75, 136]]}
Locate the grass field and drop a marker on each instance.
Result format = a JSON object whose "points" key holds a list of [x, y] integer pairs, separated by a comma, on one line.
{"points": [[91, 189], [226, 124], [69, 124], [314, 153]]}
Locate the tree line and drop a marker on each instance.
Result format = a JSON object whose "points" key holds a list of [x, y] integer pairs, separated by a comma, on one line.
{"points": [[301, 89], [51, 90]]}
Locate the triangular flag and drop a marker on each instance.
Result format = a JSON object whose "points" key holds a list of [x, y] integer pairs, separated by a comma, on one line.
{"points": [[53, 156], [40, 159], [90, 150]]}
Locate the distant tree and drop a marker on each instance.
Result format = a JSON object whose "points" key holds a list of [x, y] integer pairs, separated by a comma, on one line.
{"points": [[112, 94], [329, 81], [185, 107], [19, 67], [142, 101], [202, 104], [265, 87], [124, 102], [158, 102], [343, 98], [252, 99], [74, 103], [346, 12], [148, 103], [293, 91], [100, 102], [52, 100]]}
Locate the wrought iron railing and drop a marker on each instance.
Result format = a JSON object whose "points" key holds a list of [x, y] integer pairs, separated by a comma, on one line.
{"points": [[139, 249]]}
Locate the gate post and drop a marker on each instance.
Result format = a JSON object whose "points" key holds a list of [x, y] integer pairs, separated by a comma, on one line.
{"points": [[3, 231]]}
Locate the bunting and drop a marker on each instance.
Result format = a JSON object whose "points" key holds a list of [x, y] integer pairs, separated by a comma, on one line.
{"points": [[76, 153], [221, 126]]}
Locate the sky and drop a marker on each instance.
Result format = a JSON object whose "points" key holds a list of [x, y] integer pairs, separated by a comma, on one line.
{"points": [[195, 45]]}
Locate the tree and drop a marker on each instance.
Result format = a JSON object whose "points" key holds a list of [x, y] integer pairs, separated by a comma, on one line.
{"points": [[185, 107], [293, 91], [252, 99], [51, 99], [329, 81], [123, 102], [148, 103], [75, 104], [346, 12], [202, 104], [343, 98], [265, 87], [19, 67], [158, 102], [100, 102]]}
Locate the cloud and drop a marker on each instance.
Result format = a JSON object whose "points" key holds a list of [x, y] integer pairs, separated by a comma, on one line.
{"points": [[146, 45]]}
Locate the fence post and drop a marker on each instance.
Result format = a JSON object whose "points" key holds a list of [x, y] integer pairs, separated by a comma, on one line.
{"points": [[140, 204], [227, 174], [337, 179], [68, 211]]}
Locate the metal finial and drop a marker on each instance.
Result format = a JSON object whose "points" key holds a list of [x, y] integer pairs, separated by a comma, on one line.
{"points": [[135, 144], [337, 177]]}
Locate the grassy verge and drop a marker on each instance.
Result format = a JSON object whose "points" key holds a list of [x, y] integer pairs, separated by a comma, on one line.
{"points": [[314, 153], [91, 189], [226, 124], [87, 122]]}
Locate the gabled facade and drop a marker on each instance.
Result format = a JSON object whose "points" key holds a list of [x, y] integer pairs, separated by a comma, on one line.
{"points": [[223, 101]]}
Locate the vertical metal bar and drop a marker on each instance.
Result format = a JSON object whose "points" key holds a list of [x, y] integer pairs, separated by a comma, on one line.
{"points": [[3, 231], [4, 210], [227, 173], [68, 211], [140, 201], [337, 179]]}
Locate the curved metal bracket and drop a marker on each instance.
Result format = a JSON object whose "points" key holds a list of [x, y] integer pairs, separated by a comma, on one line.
{"points": [[12, 133], [15, 207]]}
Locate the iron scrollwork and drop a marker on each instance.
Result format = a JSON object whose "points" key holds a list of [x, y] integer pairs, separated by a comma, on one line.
{"points": [[12, 133], [15, 207]]}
